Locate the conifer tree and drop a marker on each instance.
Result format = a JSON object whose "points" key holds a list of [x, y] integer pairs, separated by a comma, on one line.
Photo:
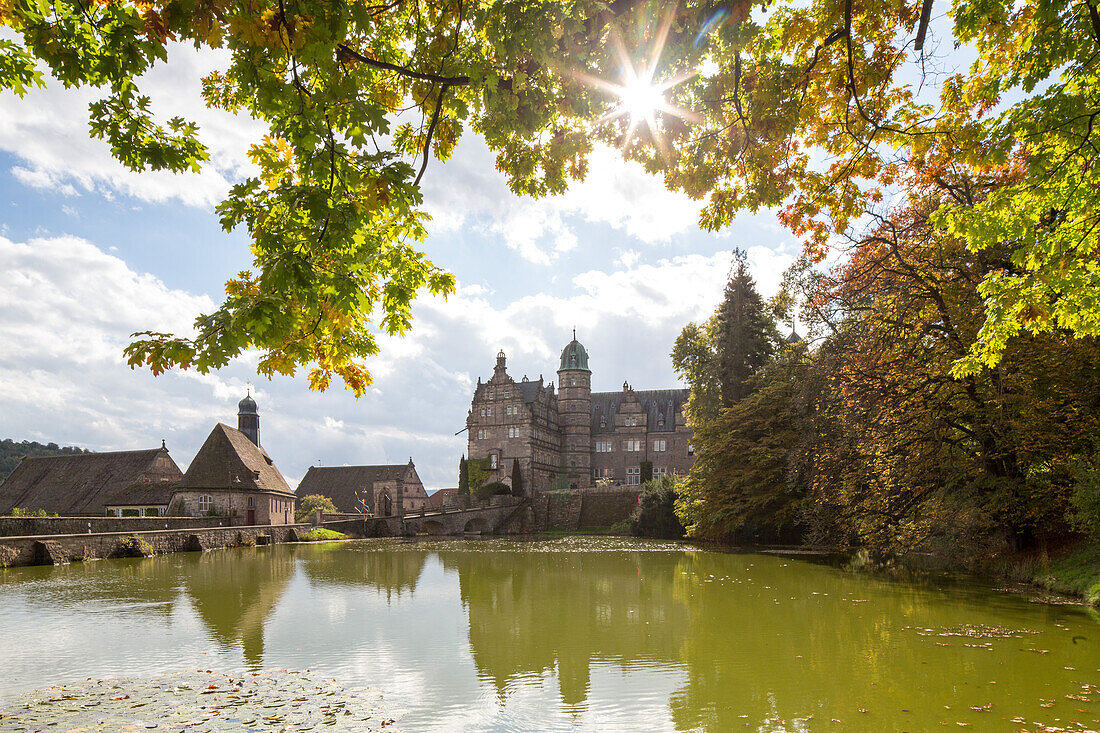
{"points": [[744, 335], [463, 476], [517, 479]]}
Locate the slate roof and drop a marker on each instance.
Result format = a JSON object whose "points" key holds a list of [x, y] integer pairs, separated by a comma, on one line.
{"points": [[340, 483], [530, 390], [85, 484], [656, 403], [228, 460], [441, 497]]}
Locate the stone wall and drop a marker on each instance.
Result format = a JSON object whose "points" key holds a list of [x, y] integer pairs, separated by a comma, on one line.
{"points": [[606, 508], [570, 511], [56, 549], [26, 526], [564, 510]]}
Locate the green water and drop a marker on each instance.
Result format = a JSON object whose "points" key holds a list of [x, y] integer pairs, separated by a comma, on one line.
{"points": [[576, 633]]}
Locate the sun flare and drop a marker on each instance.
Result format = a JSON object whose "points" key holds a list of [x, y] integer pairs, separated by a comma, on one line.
{"points": [[639, 99]]}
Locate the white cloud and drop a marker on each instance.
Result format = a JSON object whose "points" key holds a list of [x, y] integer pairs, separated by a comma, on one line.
{"points": [[70, 307], [469, 192]]}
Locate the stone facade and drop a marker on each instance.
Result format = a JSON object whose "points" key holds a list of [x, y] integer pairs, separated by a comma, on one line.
{"points": [[240, 507], [572, 437], [386, 490]]}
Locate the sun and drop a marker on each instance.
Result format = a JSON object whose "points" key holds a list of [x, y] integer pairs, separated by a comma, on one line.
{"points": [[641, 98], [638, 97]]}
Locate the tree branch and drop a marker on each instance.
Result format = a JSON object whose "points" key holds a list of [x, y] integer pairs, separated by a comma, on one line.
{"points": [[450, 81]]}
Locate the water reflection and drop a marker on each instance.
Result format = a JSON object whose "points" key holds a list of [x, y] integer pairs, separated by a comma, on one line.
{"points": [[234, 593], [563, 611], [388, 568]]}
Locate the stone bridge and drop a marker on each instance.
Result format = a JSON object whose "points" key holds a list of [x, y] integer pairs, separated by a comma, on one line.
{"points": [[512, 517]]}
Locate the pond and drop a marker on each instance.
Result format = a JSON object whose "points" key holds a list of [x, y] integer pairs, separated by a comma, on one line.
{"points": [[564, 634]]}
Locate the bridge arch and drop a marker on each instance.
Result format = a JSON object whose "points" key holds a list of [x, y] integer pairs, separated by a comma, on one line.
{"points": [[477, 524], [432, 526]]}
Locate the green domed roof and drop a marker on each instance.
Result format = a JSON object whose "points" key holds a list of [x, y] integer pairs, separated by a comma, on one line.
{"points": [[574, 357]]}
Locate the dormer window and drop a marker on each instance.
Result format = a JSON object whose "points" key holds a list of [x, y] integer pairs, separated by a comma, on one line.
{"points": [[489, 394]]}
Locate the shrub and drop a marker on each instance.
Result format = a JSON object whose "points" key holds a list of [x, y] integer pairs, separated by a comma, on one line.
{"points": [[134, 546], [309, 505], [622, 527], [497, 487], [18, 512], [654, 515]]}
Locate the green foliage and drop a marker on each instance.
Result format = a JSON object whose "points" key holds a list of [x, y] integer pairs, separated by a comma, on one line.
{"points": [[1084, 513], [309, 505], [479, 470], [492, 489], [133, 546], [814, 107], [645, 469], [320, 534], [11, 453], [463, 477], [655, 514]]}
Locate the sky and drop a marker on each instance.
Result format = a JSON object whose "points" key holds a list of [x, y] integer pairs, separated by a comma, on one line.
{"points": [[90, 253]]}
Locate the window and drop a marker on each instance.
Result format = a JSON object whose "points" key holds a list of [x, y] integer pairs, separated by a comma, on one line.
{"points": [[598, 473], [660, 471], [488, 412], [659, 445], [206, 503], [633, 476], [505, 392], [513, 432], [489, 394], [603, 446], [481, 435], [632, 446], [493, 461], [250, 503]]}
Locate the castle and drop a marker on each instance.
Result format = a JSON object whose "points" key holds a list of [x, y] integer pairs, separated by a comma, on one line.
{"points": [[574, 437]]}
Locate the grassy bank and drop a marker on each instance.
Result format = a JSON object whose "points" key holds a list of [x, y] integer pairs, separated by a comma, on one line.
{"points": [[1073, 572], [321, 534]]}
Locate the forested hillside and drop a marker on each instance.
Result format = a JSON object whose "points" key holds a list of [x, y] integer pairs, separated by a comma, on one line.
{"points": [[11, 452]]}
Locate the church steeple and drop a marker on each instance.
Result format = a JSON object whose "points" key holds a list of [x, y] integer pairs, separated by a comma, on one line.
{"points": [[248, 418]]}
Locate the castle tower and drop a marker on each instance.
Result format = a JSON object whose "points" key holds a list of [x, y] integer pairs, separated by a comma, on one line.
{"points": [[575, 414], [248, 419]]}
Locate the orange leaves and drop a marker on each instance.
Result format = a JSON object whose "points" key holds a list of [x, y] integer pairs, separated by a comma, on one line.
{"points": [[156, 29]]}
